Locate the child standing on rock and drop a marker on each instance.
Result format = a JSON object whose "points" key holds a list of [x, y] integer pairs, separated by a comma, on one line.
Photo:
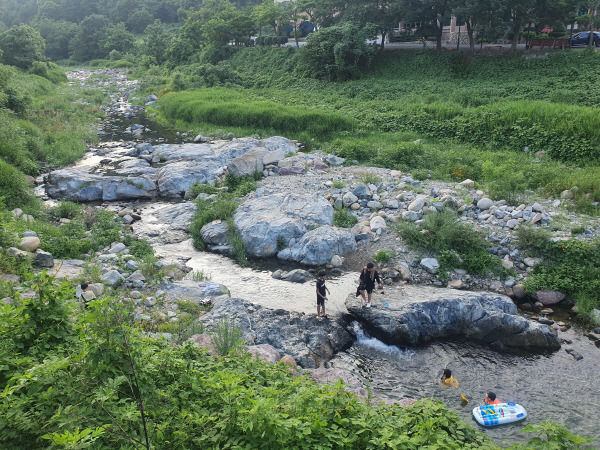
{"points": [[321, 297]]}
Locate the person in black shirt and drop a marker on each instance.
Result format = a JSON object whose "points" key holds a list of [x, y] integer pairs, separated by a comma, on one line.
{"points": [[321, 297], [367, 279]]}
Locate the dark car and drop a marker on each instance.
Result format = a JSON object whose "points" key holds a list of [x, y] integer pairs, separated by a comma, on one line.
{"points": [[582, 39]]}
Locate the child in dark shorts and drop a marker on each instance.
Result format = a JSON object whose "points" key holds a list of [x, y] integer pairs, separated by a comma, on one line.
{"points": [[321, 297]]}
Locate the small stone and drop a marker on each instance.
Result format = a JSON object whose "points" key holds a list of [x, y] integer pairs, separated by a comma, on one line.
{"points": [[135, 295], [290, 361], [456, 284], [485, 203]]}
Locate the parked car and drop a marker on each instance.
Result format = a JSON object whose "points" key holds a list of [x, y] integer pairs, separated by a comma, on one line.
{"points": [[582, 39]]}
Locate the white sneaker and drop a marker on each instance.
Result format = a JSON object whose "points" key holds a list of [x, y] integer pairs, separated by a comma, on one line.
{"points": [[368, 305]]}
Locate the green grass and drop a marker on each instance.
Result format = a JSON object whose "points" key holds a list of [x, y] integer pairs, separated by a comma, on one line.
{"points": [[475, 116]]}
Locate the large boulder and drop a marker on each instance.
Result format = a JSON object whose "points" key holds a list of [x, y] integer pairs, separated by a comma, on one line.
{"points": [[30, 243], [166, 223], [215, 233], [264, 220], [43, 259], [249, 163], [196, 292], [415, 315], [74, 183], [549, 297], [128, 188], [309, 342], [175, 179], [319, 246]]}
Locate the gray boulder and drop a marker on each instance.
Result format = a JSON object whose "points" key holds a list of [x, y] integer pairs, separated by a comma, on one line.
{"points": [[43, 259], [309, 342], [296, 276], [167, 223], [416, 315], [279, 143], [112, 278], [249, 163], [319, 246], [176, 178], [485, 203], [431, 265], [262, 221], [215, 233], [549, 297], [196, 292]]}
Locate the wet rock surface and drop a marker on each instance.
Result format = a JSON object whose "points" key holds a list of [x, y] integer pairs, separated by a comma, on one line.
{"points": [[416, 315], [309, 342]]}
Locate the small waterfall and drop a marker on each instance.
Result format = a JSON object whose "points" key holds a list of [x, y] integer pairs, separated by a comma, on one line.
{"points": [[363, 339]]}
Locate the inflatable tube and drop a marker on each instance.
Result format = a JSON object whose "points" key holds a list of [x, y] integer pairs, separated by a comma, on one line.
{"points": [[490, 415]]}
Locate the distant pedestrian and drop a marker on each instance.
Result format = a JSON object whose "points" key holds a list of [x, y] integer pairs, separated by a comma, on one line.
{"points": [[321, 296], [85, 295], [367, 279]]}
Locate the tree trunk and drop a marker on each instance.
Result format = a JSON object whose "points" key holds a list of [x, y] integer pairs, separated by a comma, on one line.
{"points": [[516, 29], [296, 34], [591, 41], [383, 35], [470, 34], [438, 32]]}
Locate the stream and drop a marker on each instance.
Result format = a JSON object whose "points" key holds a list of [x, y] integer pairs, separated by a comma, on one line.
{"points": [[552, 387]]}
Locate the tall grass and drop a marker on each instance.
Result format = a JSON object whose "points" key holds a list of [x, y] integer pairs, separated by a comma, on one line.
{"points": [[225, 108], [475, 116]]}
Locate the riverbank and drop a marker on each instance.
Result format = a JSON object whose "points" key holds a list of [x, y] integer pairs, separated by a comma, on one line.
{"points": [[166, 300]]}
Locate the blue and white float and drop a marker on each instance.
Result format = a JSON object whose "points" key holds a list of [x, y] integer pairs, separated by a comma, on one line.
{"points": [[490, 415]]}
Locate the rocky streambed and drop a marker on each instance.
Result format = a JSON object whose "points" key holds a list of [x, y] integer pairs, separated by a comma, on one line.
{"points": [[289, 219]]}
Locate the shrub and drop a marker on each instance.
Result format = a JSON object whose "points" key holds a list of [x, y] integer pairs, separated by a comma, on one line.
{"points": [[337, 53], [226, 336], [67, 210], [21, 46], [537, 240], [344, 219], [458, 245], [383, 256], [15, 190]]}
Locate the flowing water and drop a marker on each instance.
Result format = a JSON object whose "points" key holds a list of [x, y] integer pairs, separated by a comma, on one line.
{"points": [[553, 387]]}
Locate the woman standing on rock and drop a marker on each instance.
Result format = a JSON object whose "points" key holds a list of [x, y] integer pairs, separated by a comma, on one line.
{"points": [[367, 279]]}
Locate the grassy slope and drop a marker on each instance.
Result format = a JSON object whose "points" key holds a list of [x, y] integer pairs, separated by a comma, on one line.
{"points": [[475, 115]]}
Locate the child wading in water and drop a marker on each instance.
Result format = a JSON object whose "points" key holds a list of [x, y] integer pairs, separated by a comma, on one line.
{"points": [[321, 288]]}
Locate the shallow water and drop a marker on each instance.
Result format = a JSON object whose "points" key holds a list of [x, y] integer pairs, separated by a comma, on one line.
{"points": [[256, 285], [552, 387]]}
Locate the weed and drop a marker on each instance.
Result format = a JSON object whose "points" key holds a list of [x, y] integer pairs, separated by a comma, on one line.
{"points": [[337, 184], [383, 256], [226, 337], [200, 275], [343, 218], [281, 243]]}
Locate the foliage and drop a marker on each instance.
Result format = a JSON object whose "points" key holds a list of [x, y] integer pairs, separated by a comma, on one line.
{"points": [[15, 190], [535, 239], [32, 327], [343, 218], [225, 108], [227, 336], [571, 267], [556, 437], [457, 244], [22, 45], [337, 53], [383, 256]]}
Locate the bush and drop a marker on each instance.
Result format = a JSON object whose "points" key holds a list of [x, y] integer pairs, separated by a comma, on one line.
{"points": [[336, 53], [226, 337], [15, 190], [344, 219], [383, 256], [458, 245], [21, 46]]}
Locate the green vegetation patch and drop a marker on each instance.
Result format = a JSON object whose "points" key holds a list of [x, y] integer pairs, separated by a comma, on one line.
{"points": [[457, 245], [571, 267], [226, 108]]}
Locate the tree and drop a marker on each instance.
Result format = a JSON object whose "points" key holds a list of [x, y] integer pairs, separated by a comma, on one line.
{"points": [[337, 53], [156, 41], [267, 14], [117, 38], [86, 44], [380, 15], [430, 11], [57, 35], [21, 46]]}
